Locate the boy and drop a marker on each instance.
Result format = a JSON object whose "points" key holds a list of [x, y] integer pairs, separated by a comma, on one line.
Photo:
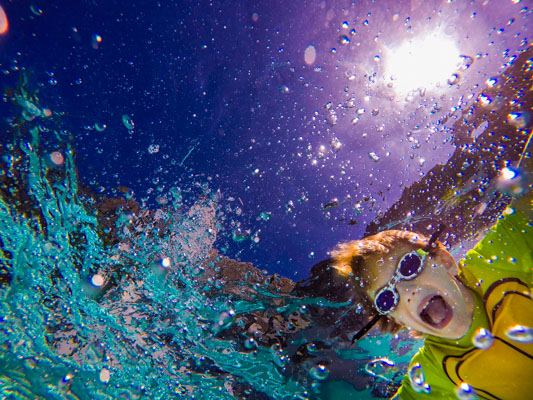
{"points": [[477, 317]]}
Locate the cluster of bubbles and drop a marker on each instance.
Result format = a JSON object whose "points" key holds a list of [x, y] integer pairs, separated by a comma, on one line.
{"points": [[279, 357], [483, 338], [30, 110], [418, 381], [153, 148]]}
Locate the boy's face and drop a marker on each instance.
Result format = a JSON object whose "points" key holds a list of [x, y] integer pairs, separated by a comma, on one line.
{"points": [[434, 302]]}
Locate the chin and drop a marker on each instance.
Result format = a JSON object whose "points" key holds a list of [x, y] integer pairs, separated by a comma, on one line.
{"points": [[453, 330]]}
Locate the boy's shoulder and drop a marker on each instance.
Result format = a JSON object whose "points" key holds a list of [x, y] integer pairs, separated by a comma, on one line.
{"points": [[505, 252]]}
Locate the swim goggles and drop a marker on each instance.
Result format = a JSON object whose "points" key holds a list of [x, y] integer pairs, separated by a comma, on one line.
{"points": [[409, 267]]}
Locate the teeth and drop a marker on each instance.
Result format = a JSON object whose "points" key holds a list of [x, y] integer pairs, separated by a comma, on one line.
{"points": [[427, 305]]}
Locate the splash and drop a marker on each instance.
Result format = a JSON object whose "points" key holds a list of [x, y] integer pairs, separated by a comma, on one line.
{"points": [[101, 298], [122, 315]]}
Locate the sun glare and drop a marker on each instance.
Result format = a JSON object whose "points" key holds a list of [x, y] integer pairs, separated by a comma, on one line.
{"points": [[421, 63]]}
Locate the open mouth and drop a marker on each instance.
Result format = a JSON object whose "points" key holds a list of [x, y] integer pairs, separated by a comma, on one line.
{"points": [[436, 312]]}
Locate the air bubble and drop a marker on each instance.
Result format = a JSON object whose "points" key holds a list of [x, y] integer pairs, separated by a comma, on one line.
{"points": [[418, 379], [466, 62], [153, 148], [332, 117], [224, 321], [161, 200], [128, 122], [241, 236], [380, 367], [335, 145], [344, 40], [36, 10], [279, 358], [511, 182], [484, 100], [520, 333], [520, 120], [482, 339], [97, 280], [100, 127], [250, 344], [319, 372], [465, 392], [373, 156], [57, 158], [491, 82], [310, 55], [105, 375], [166, 262], [265, 216], [454, 78], [96, 40]]}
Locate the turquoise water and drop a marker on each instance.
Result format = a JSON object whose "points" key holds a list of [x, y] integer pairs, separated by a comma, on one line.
{"points": [[126, 305]]}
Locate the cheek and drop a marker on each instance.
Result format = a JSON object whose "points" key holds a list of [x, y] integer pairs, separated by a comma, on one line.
{"points": [[404, 315], [446, 261], [409, 294], [406, 311]]}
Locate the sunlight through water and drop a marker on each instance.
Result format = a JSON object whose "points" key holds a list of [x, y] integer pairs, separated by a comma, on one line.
{"points": [[421, 62]]}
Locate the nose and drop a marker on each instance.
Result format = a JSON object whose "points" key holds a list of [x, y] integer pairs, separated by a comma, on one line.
{"points": [[408, 289]]}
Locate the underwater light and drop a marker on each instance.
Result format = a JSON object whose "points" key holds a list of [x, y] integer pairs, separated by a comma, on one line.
{"points": [[4, 25], [422, 62]]}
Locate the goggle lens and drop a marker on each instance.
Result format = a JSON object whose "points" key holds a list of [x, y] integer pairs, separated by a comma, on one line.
{"points": [[410, 265], [386, 301]]}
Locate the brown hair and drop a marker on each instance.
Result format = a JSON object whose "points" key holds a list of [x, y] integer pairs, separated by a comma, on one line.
{"points": [[349, 260]]}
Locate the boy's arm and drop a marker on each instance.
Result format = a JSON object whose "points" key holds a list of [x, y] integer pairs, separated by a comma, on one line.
{"points": [[524, 203]]}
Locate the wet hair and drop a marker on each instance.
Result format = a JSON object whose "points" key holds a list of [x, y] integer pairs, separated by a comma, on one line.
{"points": [[350, 261]]}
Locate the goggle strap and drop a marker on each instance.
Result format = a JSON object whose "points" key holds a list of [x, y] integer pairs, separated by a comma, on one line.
{"points": [[434, 237], [366, 328]]}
